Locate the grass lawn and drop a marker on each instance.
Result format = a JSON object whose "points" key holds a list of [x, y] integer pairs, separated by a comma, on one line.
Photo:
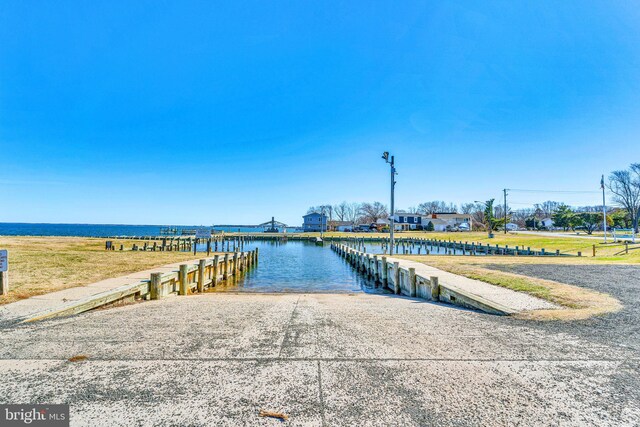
{"points": [[39, 265], [611, 252]]}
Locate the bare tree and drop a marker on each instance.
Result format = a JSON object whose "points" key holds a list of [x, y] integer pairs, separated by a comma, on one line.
{"points": [[547, 208], [520, 216], [371, 212], [341, 211], [625, 186], [436, 206], [352, 212]]}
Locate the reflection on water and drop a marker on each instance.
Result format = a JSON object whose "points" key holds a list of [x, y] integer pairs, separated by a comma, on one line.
{"points": [[298, 267]]}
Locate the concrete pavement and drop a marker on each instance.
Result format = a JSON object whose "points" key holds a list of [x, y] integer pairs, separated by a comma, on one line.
{"points": [[323, 359]]}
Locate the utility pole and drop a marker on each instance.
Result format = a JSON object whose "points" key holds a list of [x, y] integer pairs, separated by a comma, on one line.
{"points": [[604, 210], [505, 210], [391, 163]]}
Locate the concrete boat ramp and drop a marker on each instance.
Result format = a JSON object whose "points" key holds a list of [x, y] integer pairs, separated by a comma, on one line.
{"points": [[470, 293], [365, 359]]}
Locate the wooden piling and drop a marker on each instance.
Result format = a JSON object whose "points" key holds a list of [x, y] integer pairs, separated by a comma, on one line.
{"points": [[155, 285], [435, 288], [225, 269], [201, 264], [396, 277], [216, 262], [412, 282], [383, 278], [183, 280], [4, 282]]}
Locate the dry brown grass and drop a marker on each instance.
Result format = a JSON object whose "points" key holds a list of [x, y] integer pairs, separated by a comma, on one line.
{"points": [[39, 265], [579, 303]]}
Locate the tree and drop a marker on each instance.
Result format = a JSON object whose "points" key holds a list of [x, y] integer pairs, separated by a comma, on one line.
{"points": [[546, 209], [341, 211], [590, 221], [625, 186], [576, 221], [620, 218], [491, 220], [436, 206], [520, 216], [429, 226], [532, 223], [562, 217], [372, 212], [353, 212]]}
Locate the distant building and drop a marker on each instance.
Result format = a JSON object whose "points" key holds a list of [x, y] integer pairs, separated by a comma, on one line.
{"points": [[440, 221], [314, 222], [511, 226], [547, 223], [340, 226]]}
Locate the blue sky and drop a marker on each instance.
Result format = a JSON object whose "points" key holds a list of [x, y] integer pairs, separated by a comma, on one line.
{"points": [[231, 112]]}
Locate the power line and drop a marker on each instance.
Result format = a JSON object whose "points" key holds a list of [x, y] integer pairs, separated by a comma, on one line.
{"points": [[554, 191]]}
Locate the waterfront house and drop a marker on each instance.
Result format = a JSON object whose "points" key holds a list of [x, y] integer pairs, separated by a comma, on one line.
{"points": [[314, 222], [441, 221], [340, 225]]}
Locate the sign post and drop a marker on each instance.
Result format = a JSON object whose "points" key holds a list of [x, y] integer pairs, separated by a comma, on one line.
{"points": [[203, 233], [4, 273]]}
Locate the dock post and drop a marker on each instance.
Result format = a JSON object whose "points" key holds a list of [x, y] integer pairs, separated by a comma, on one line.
{"points": [[376, 272], [182, 279], [396, 277], [4, 282], [412, 282], [383, 276], [201, 266], [225, 270], [235, 263], [435, 288], [155, 285], [216, 261]]}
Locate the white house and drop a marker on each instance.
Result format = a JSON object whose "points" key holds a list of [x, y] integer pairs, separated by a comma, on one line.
{"points": [[547, 223]]}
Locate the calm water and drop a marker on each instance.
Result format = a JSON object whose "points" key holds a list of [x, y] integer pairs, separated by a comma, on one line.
{"points": [[298, 267], [98, 230]]}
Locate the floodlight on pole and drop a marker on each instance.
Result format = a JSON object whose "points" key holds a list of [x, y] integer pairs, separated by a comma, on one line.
{"points": [[385, 157]]}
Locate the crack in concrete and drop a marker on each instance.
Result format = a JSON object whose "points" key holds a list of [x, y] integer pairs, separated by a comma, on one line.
{"points": [[321, 396], [286, 333]]}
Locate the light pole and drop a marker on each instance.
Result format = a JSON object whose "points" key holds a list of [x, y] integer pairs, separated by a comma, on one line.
{"points": [[391, 163]]}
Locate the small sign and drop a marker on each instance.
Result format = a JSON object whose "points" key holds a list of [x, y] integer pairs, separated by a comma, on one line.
{"points": [[34, 415], [203, 233], [4, 260]]}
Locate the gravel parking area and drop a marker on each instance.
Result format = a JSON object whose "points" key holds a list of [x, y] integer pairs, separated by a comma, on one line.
{"points": [[621, 281]]}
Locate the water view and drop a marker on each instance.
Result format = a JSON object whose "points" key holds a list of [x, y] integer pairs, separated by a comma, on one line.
{"points": [[298, 267]]}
